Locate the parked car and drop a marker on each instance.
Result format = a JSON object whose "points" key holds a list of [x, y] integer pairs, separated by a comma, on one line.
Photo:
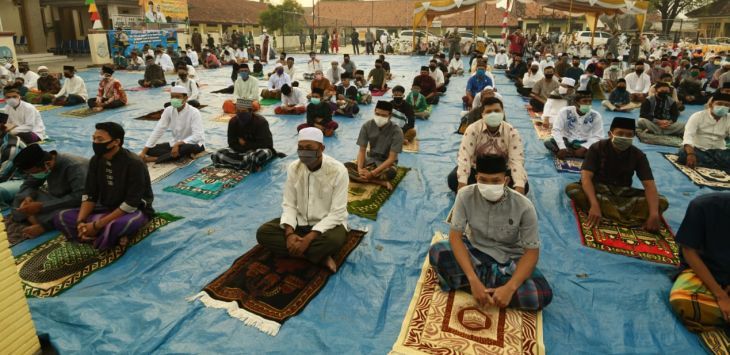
{"points": [[711, 44], [599, 38], [408, 35]]}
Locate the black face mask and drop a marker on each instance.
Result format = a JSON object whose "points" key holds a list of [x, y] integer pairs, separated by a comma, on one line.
{"points": [[101, 148], [549, 76], [639, 71], [662, 94], [397, 100], [433, 67]]}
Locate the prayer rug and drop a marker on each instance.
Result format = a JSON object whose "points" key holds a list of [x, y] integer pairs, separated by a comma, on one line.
{"points": [[365, 200], [269, 102], [57, 265], [264, 291], [657, 139], [379, 92], [543, 133], [42, 108], [632, 241], [439, 322], [712, 178], [155, 116], [224, 117], [209, 182], [161, 171], [533, 114], [79, 112], [137, 88], [568, 165], [411, 148], [716, 342], [222, 91]]}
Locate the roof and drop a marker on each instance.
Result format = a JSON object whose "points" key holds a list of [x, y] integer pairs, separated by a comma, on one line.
{"points": [[719, 8], [225, 12], [399, 13]]}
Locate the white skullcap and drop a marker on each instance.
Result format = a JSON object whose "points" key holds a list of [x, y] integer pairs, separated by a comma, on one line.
{"points": [[8, 65], [311, 134], [278, 65], [568, 81], [256, 58], [179, 90], [488, 87], [42, 67], [535, 64], [537, 53]]}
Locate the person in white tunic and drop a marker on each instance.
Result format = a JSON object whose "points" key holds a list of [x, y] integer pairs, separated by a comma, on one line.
{"points": [[276, 81], [456, 65], [73, 92], [705, 136], [164, 60], [23, 121], [189, 84], [576, 128], [29, 77]]}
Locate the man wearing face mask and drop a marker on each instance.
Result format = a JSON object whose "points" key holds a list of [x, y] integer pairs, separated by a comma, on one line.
{"points": [[611, 76], [619, 99], [542, 89], [493, 228], [245, 87], [62, 177], [110, 94], [437, 75], [690, 90], [659, 113], [250, 144], [186, 128], [313, 65], [490, 135], [189, 84], [531, 77], [575, 128], [376, 77], [638, 83], [574, 71], [558, 99], [7, 76], [385, 139], [30, 77], [313, 223], [154, 75], [73, 91], [421, 108], [117, 198], [48, 87], [487, 92], [517, 68], [293, 101], [561, 68], [346, 97], [403, 111], [474, 85], [705, 134], [605, 191], [24, 121], [348, 65], [501, 60], [334, 72], [319, 115], [276, 81]]}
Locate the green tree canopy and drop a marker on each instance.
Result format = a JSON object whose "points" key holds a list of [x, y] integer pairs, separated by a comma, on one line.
{"points": [[286, 17]]}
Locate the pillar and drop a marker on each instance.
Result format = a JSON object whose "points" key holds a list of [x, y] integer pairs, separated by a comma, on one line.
{"points": [[33, 26]]}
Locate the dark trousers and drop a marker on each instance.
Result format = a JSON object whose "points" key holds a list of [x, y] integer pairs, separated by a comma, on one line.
{"points": [[355, 48], [113, 104], [153, 83], [28, 137], [525, 92], [433, 100], [453, 180], [537, 106], [163, 151], [712, 158], [271, 236], [70, 100], [369, 48]]}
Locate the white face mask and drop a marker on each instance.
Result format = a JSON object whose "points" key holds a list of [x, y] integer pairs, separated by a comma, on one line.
{"points": [[381, 121], [493, 119], [13, 102], [491, 192], [562, 90]]}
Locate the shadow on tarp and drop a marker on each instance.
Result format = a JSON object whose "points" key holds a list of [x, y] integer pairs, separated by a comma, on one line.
{"points": [[137, 304]]}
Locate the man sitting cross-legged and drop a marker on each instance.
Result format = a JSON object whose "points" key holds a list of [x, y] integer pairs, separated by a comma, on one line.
{"points": [[319, 114], [245, 87], [576, 128], [293, 101], [385, 139], [250, 144], [54, 181], [659, 113], [117, 199], [346, 98], [313, 224], [606, 175], [493, 244], [73, 91], [186, 127], [705, 136]]}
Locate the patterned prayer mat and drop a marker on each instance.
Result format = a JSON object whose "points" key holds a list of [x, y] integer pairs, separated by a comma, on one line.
{"points": [[365, 200], [208, 183], [543, 133], [161, 171], [79, 112], [717, 342], [712, 178], [42, 108], [137, 88], [269, 102], [439, 322], [411, 148], [656, 139], [531, 112], [630, 241], [568, 165], [155, 116], [57, 265], [379, 92], [264, 291]]}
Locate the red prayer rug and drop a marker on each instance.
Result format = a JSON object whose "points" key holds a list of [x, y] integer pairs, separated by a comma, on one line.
{"points": [[379, 92], [629, 241], [263, 290]]}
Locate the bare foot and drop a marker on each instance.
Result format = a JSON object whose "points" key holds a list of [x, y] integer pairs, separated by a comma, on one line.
{"points": [[329, 263], [123, 241], [34, 230], [149, 159], [97, 109]]}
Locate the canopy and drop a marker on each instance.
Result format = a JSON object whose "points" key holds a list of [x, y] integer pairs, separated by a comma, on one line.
{"points": [[431, 9]]}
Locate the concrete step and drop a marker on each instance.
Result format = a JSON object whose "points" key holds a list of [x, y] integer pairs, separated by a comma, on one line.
{"points": [[38, 59]]}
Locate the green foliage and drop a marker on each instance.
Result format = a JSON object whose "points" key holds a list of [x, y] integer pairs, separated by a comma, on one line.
{"points": [[285, 17]]}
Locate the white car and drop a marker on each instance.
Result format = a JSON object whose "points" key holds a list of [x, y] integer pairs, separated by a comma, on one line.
{"points": [[468, 36], [407, 35], [599, 38]]}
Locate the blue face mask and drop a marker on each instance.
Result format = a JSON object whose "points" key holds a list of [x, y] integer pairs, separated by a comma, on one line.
{"points": [[243, 75], [480, 72], [314, 101], [41, 175]]}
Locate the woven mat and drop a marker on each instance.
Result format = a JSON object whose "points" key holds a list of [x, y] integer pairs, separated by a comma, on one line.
{"points": [[209, 182], [269, 102], [365, 200], [81, 112], [717, 342], [137, 88], [42, 108], [712, 178], [264, 291], [630, 241], [568, 165], [542, 132], [439, 322], [57, 265], [161, 171], [411, 148], [656, 139]]}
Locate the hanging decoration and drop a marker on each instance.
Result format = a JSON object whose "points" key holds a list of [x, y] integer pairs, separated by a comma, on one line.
{"points": [[94, 14]]}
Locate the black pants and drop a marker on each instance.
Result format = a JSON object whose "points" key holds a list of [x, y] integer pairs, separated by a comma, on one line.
{"points": [[453, 180], [355, 48], [163, 151], [537, 106], [433, 100], [369, 48], [113, 104], [72, 100], [153, 83], [525, 92]]}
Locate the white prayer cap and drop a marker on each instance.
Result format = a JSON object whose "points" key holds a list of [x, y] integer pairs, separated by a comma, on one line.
{"points": [[537, 53], [311, 134], [278, 65], [488, 87], [256, 58], [535, 64], [42, 67], [264, 30], [7, 65], [179, 90], [568, 81]]}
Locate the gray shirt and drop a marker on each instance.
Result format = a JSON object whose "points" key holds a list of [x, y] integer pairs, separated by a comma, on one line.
{"points": [[501, 230], [382, 140], [369, 37], [65, 184]]}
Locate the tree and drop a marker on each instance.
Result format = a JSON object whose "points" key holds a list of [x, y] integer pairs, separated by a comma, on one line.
{"points": [[285, 17], [670, 9]]}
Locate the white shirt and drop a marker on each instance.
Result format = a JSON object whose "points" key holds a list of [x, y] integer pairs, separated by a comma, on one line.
{"points": [[478, 99], [456, 65], [437, 75], [276, 81], [193, 57], [637, 84], [26, 118], [334, 75], [74, 86], [241, 54], [545, 63], [501, 59], [583, 82], [316, 198], [30, 78], [192, 73], [703, 132], [246, 89], [136, 61], [297, 97], [572, 126], [165, 62], [314, 65], [384, 39], [191, 86], [289, 71], [529, 79], [185, 126]]}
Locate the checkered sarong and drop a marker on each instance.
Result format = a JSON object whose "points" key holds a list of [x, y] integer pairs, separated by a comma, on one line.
{"points": [[250, 161]]}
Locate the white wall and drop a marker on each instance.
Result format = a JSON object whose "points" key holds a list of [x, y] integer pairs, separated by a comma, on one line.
{"points": [[10, 17]]}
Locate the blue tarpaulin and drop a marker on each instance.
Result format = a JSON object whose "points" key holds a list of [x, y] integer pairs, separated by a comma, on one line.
{"points": [[618, 305]]}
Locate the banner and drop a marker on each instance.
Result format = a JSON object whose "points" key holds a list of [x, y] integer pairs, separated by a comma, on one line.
{"points": [[127, 40], [165, 11]]}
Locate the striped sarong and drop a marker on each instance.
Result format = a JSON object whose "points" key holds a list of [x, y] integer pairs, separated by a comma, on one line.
{"points": [[694, 304]]}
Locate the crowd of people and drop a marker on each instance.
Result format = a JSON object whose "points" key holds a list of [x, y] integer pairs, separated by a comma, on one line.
{"points": [[494, 225]]}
